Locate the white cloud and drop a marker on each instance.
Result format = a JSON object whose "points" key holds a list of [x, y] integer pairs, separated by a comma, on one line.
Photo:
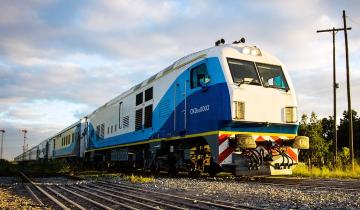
{"points": [[125, 15]]}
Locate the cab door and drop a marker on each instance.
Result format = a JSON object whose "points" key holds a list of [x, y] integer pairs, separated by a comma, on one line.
{"points": [[180, 114]]}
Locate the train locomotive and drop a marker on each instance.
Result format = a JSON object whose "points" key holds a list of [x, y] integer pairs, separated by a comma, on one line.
{"points": [[230, 108]]}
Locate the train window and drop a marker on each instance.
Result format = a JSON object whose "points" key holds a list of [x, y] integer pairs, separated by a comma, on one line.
{"points": [[197, 75], [115, 128], [98, 130], [138, 119], [108, 130], [139, 98], [126, 121], [72, 138], [111, 129], [148, 116], [243, 72], [120, 113], [148, 94], [102, 131], [272, 76]]}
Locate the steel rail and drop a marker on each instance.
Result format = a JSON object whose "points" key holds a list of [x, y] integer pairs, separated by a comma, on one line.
{"points": [[187, 198], [161, 198], [85, 198], [59, 203], [119, 197], [32, 194], [140, 198], [104, 198], [65, 198]]}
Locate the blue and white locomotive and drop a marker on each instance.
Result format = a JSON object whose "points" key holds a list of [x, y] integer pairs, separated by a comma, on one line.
{"points": [[231, 107]]}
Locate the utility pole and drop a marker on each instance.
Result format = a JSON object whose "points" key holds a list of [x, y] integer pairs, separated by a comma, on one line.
{"points": [[335, 85], [2, 141], [351, 135], [24, 145]]}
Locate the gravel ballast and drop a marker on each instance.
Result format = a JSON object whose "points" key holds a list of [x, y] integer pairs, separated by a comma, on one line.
{"points": [[257, 194]]}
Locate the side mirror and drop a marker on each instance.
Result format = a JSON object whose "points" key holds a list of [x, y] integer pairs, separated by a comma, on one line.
{"points": [[204, 80]]}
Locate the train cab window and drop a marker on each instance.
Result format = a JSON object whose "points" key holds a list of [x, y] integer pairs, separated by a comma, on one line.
{"points": [[148, 94], [198, 75], [243, 72], [272, 76], [139, 98]]}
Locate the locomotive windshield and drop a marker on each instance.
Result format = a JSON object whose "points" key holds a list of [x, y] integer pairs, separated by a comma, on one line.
{"points": [[272, 76], [243, 72], [248, 72]]}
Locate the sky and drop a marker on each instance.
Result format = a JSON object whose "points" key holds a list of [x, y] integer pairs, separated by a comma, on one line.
{"points": [[60, 60]]}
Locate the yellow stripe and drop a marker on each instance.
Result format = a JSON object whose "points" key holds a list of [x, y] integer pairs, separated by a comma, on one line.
{"points": [[157, 140], [193, 135], [258, 134]]}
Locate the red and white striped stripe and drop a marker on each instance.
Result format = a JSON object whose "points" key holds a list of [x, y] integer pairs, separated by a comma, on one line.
{"points": [[225, 151]]}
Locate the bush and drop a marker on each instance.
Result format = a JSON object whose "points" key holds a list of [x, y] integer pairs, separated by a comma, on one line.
{"points": [[7, 168]]}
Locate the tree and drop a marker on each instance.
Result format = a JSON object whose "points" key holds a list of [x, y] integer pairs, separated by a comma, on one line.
{"points": [[343, 131], [319, 147]]}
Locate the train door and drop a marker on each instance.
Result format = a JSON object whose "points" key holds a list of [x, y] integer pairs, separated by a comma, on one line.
{"points": [[202, 101], [180, 115]]}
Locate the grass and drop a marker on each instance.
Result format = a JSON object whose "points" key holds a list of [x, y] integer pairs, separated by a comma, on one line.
{"points": [[315, 172], [103, 176]]}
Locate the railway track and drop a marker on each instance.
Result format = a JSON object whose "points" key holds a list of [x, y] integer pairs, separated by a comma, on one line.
{"points": [[109, 195]]}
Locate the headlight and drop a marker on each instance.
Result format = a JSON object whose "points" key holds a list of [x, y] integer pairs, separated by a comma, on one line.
{"points": [[239, 110], [255, 51], [246, 50], [290, 114]]}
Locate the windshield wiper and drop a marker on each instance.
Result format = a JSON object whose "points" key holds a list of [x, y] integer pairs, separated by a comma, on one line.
{"points": [[246, 81], [276, 87]]}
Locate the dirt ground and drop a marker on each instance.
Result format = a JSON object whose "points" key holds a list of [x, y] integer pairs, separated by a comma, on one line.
{"points": [[9, 200]]}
